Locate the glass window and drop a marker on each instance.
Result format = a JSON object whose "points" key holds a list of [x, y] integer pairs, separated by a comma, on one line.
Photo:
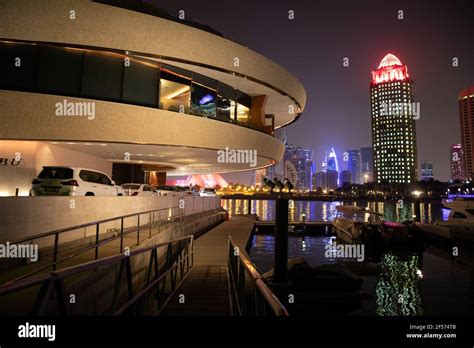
{"points": [[243, 99], [176, 72], [56, 173], [140, 83], [225, 108], [102, 76], [175, 91], [104, 179], [90, 176], [18, 66], [203, 101], [60, 70], [243, 113], [131, 186], [226, 104], [203, 96]]}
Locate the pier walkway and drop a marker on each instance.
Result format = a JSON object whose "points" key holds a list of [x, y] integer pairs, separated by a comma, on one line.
{"points": [[205, 289]]}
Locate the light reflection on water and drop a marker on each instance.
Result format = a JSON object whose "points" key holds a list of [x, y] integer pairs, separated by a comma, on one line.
{"points": [[397, 290], [326, 211], [444, 288], [309, 248]]}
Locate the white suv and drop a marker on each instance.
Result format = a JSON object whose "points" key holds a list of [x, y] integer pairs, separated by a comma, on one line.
{"points": [[137, 190], [71, 181], [207, 192]]}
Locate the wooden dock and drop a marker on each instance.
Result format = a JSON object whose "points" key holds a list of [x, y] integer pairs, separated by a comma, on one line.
{"points": [[205, 289]]}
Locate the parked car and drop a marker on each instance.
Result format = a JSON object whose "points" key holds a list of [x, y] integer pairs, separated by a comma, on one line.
{"points": [[137, 190], [72, 181], [165, 190], [188, 191], [207, 192]]}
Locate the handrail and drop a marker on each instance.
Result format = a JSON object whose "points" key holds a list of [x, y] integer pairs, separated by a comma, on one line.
{"points": [[181, 259], [98, 243], [67, 229], [84, 249], [239, 265]]}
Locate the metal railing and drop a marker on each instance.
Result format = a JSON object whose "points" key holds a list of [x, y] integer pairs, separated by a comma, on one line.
{"points": [[260, 300], [98, 243], [53, 289]]}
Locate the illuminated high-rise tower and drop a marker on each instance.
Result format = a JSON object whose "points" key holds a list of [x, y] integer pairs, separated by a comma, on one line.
{"points": [[393, 122], [330, 161], [457, 162], [466, 118]]}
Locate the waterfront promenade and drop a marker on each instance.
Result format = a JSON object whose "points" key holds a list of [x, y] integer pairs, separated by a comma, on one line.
{"points": [[205, 289]]}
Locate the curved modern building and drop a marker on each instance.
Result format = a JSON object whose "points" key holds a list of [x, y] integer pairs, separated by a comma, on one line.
{"points": [[122, 83]]}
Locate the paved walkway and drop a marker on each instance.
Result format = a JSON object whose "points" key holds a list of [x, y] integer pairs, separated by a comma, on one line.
{"points": [[205, 289]]}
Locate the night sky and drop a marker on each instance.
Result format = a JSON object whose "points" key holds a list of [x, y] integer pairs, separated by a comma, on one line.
{"points": [[313, 45]]}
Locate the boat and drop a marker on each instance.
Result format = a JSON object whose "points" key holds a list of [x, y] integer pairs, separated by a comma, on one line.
{"points": [[460, 223], [357, 225], [351, 220]]}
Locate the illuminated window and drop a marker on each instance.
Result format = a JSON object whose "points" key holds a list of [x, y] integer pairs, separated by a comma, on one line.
{"points": [[243, 113], [175, 92]]}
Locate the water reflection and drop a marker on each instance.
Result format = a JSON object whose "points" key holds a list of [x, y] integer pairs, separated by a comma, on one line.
{"points": [[326, 211], [397, 291], [396, 288], [310, 248]]}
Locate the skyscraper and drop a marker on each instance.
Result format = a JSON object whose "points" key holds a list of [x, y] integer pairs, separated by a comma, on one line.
{"points": [[366, 165], [302, 161], [345, 177], [353, 165], [466, 118], [457, 162], [326, 180], [331, 162], [427, 170], [393, 122]]}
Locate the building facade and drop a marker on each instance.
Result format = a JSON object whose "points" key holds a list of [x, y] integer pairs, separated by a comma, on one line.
{"points": [[301, 161], [345, 177], [466, 119], [394, 111], [328, 180], [427, 170], [366, 165], [457, 162], [353, 165], [93, 90]]}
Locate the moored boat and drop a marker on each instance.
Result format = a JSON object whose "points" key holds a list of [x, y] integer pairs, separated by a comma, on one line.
{"points": [[356, 225], [460, 223]]}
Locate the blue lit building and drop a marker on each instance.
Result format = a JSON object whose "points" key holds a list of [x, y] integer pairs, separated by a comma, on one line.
{"points": [[330, 162]]}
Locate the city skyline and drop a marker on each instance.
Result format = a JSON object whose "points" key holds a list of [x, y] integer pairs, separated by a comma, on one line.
{"points": [[338, 94]]}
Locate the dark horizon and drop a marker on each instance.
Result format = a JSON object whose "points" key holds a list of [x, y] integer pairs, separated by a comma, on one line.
{"points": [[314, 44]]}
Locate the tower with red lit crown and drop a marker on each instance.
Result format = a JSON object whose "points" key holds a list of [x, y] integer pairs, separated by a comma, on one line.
{"points": [[393, 122]]}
